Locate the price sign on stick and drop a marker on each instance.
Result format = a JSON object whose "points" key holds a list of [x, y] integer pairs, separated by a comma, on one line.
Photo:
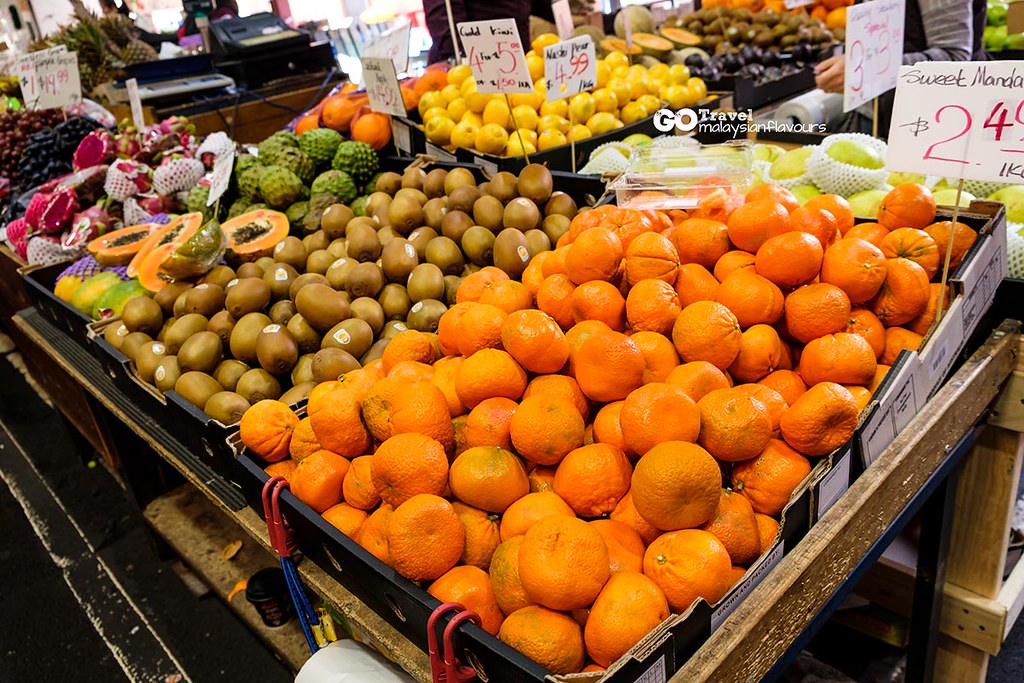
{"points": [[223, 166], [393, 45], [874, 50], [382, 86], [563, 18], [136, 103], [495, 54], [961, 120], [570, 67]]}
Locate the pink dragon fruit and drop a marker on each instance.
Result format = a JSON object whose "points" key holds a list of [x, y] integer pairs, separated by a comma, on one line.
{"points": [[95, 149], [177, 124], [127, 178], [36, 207], [87, 184], [46, 250], [60, 207], [126, 145], [177, 175], [17, 237], [86, 226], [158, 203]]}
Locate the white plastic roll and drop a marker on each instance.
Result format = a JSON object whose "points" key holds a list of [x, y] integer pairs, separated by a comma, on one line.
{"points": [[814, 107]]}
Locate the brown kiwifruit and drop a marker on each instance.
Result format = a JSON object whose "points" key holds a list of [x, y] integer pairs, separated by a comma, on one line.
{"points": [[434, 211], [484, 187], [132, 342], [504, 186], [512, 252], [201, 352], [521, 214], [420, 238], [297, 393], [276, 349], [315, 241], [366, 279], [463, 198], [337, 274], [352, 335], [280, 279], [535, 183], [537, 240], [147, 358], [197, 388], [389, 182], [305, 335], [363, 243], [248, 270], [169, 294], [385, 235], [338, 248], [375, 352], [321, 306], [364, 221], [424, 316], [115, 333], [142, 314], [393, 327], [369, 310], [265, 262], [179, 304], [412, 193], [433, 184], [451, 289], [226, 407], [243, 337], [425, 282], [488, 212], [282, 311], [561, 204], [395, 302], [330, 364], [445, 254], [219, 275], [221, 324], [455, 225], [303, 370], [246, 295], [166, 374], [303, 280], [257, 385], [377, 208], [405, 215], [335, 219], [457, 177], [554, 226], [478, 245], [183, 328], [398, 259], [292, 251], [205, 299], [469, 269], [228, 373], [413, 177]]}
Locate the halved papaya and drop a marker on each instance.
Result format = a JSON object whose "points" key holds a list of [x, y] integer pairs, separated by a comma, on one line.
{"points": [[254, 234], [197, 249], [119, 247], [148, 263], [162, 235]]}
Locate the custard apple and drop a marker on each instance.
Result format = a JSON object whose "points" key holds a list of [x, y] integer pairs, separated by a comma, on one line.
{"points": [[358, 205], [338, 183], [280, 187], [238, 207], [318, 203], [243, 163], [357, 159], [296, 212], [320, 145], [249, 182], [297, 162]]}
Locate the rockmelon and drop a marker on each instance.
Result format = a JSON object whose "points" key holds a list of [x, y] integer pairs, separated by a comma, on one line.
{"points": [[653, 45], [254, 234], [679, 37], [619, 45], [640, 20]]}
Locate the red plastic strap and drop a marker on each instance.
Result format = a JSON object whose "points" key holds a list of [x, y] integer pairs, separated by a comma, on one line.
{"points": [[281, 539], [455, 671], [437, 670]]}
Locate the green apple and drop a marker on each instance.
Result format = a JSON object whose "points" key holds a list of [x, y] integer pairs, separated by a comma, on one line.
{"points": [[805, 192], [900, 178], [1013, 197], [947, 197], [865, 204], [764, 152], [855, 154], [637, 139], [791, 164]]}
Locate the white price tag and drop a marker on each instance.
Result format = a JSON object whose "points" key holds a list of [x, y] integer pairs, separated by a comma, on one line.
{"points": [[570, 67], [136, 102], [959, 120], [563, 18], [382, 87], [495, 53], [402, 135], [223, 166], [874, 50], [49, 78], [393, 45], [793, 4]]}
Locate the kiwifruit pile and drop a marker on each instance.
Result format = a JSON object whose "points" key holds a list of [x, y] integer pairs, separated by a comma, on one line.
{"points": [[328, 303]]}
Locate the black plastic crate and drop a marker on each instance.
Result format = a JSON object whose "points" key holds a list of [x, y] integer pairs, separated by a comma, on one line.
{"points": [[39, 283]]}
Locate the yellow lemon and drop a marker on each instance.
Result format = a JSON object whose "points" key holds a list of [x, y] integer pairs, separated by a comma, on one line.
{"points": [[604, 72], [528, 135], [637, 85], [515, 147], [551, 138], [616, 58], [677, 96], [436, 112], [526, 117], [450, 92], [553, 122], [430, 100], [638, 70], [468, 86], [659, 71], [652, 86], [491, 139], [457, 74], [582, 106], [621, 88], [439, 130], [477, 101], [700, 88], [603, 122], [535, 64], [472, 117], [533, 100], [678, 74], [579, 132], [649, 102], [620, 72], [542, 41], [457, 108], [464, 134], [605, 100], [496, 111], [633, 112], [556, 108]]}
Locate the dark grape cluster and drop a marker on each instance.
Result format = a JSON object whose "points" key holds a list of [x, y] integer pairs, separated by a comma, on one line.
{"points": [[16, 127], [49, 152]]}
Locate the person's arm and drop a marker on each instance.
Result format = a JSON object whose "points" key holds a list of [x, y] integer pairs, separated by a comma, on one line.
{"points": [[948, 32]]}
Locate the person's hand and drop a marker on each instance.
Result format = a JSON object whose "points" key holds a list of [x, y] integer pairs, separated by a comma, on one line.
{"points": [[830, 75]]}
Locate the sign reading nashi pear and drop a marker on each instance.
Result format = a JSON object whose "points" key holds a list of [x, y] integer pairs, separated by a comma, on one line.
{"points": [[495, 53]]}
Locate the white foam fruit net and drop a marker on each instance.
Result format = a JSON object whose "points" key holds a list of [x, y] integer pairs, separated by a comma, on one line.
{"points": [[835, 177], [1015, 249], [980, 188]]}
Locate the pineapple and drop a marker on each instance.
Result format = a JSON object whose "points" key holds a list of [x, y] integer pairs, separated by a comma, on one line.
{"points": [[137, 51]]}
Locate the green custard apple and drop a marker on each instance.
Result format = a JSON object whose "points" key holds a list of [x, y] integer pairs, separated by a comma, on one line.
{"points": [[357, 159], [280, 187], [337, 183], [297, 162], [358, 205], [320, 145], [296, 213], [238, 207]]}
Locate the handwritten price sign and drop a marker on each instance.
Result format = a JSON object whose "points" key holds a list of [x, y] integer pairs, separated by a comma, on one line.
{"points": [[393, 45], [50, 79], [382, 86], [563, 18], [570, 67], [495, 54], [223, 166], [874, 50]]}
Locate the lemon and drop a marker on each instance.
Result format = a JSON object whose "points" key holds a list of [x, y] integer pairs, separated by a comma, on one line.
{"points": [[535, 64], [649, 102], [533, 100], [528, 135], [603, 122], [621, 88], [450, 92], [525, 116], [491, 139], [615, 59], [497, 112], [637, 85], [542, 41], [638, 70], [439, 130], [551, 138], [430, 100], [515, 148], [633, 112], [472, 117], [436, 112], [457, 108], [553, 122], [620, 72], [652, 86], [605, 100], [458, 74], [579, 132], [464, 134], [476, 101], [556, 108], [700, 88], [678, 74], [468, 86], [659, 71], [677, 96], [604, 72], [582, 106]]}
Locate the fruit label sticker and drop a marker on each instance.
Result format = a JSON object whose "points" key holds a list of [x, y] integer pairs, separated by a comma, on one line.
{"points": [[570, 67], [223, 167], [417, 307], [342, 336], [495, 53], [382, 87], [961, 120], [410, 250], [524, 253], [874, 50], [271, 329], [563, 18], [49, 78], [393, 45], [160, 373], [280, 274]]}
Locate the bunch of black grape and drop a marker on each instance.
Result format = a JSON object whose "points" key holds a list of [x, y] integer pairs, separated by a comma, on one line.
{"points": [[16, 127], [49, 152]]}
